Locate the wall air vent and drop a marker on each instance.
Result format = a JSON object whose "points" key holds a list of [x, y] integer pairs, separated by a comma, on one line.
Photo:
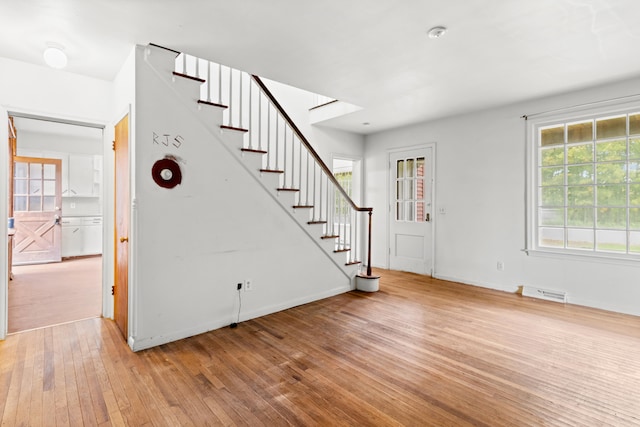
{"points": [[546, 294]]}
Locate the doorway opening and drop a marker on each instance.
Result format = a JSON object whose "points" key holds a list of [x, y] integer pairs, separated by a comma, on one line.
{"points": [[55, 253]]}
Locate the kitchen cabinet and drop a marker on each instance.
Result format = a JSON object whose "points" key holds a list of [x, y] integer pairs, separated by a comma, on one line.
{"points": [[83, 176], [81, 236]]}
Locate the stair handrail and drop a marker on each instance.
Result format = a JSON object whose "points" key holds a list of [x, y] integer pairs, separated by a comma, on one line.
{"points": [[306, 143], [319, 161]]}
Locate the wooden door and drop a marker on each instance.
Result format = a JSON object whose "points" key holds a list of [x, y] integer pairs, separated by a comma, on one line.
{"points": [[410, 239], [122, 205], [37, 200]]}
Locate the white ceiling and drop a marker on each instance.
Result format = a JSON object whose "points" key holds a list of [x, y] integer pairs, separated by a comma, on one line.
{"points": [[371, 53]]}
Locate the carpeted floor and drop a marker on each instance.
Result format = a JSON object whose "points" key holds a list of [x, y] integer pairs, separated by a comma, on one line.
{"points": [[49, 294]]}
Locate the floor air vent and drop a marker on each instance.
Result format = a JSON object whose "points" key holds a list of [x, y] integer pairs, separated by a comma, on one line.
{"points": [[557, 296]]}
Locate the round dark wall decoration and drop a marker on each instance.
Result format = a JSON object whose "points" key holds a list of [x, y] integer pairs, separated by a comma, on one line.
{"points": [[166, 173]]}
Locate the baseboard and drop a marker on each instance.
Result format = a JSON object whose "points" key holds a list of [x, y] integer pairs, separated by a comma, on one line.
{"points": [[138, 344], [510, 289]]}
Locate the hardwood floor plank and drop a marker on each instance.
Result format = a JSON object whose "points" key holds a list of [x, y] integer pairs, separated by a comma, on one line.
{"points": [[418, 352]]}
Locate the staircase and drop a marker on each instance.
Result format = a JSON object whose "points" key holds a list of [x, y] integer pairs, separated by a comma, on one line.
{"points": [[268, 144]]}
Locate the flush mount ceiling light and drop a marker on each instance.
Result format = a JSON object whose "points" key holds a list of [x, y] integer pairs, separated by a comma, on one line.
{"points": [[55, 57], [436, 32]]}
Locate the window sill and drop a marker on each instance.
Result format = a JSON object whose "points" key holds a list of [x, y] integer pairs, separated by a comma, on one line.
{"points": [[630, 260]]}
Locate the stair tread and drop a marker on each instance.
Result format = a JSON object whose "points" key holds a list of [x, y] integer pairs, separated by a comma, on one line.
{"points": [[251, 150], [271, 170], [201, 101], [234, 128], [303, 206], [333, 236], [353, 262], [186, 76], [288, 189], [316, 222], [341, 250]]}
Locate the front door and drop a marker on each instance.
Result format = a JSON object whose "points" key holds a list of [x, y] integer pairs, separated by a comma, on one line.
{"points": [[121, 244], [37, 199], [410, 239]]}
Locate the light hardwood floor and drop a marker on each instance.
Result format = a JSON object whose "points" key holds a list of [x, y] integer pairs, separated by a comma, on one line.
{"points": [[49, 294], [420, 352]]}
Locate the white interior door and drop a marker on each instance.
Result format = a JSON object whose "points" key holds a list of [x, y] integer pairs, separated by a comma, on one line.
{"points": [[410, 226]]}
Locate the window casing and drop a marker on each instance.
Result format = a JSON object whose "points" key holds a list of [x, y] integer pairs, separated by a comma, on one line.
{"points": [[584, 186]]}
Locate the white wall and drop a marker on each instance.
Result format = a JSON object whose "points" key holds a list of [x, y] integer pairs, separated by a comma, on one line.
{"points": [[192, 244], [480, 182], [325, 141], [42, 91]]}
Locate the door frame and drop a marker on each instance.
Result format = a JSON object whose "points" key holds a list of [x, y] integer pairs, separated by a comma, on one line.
{"points": [[389, 208], [107, 274]]}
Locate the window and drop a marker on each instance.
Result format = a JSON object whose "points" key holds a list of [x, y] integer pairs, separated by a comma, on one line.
{"points": [[409, 192], [586, 185]]}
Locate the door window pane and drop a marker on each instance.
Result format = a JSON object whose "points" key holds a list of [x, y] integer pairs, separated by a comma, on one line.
{"points": [[20, 170], [20, 186], [49, 203], [409, 168], [410, 212], [400, 211], [35, 170], [400, 169], [20, 203], [49, 171], [35, 187], [49, 188], [35, 203], [420, 213], [399, 190]]}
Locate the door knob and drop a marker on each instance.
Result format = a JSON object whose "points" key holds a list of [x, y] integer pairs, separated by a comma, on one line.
{"points": [[124, 239], [428, 218]]}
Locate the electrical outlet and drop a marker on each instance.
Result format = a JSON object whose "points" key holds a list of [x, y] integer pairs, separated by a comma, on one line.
{"points": [[248, 285], [500, 266], [72, 205]]}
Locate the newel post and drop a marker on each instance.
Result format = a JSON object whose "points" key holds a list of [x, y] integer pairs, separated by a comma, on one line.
{"points": [[368, 282]]}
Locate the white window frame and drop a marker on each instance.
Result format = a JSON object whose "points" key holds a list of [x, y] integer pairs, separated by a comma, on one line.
{"points": [[534, 123]]}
